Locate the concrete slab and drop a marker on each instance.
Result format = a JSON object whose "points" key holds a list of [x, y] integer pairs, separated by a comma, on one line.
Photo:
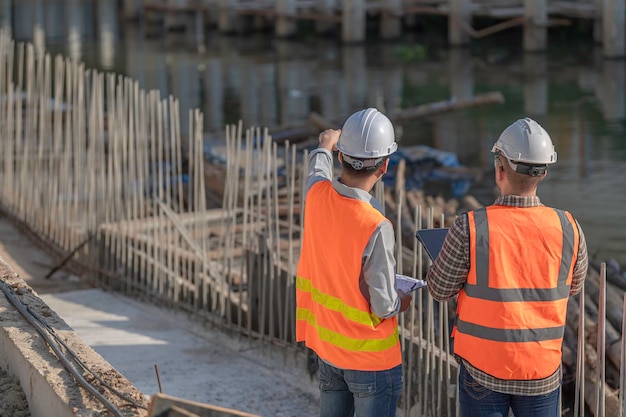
{"points": [[194, 362]]}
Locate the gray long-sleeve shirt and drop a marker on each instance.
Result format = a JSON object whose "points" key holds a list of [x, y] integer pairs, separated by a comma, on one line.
{"points": [[378, 256]]}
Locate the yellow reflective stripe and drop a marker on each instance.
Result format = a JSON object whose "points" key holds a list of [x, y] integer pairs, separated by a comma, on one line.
{"points": [[345, 342], [303, 284], [335, 304]]}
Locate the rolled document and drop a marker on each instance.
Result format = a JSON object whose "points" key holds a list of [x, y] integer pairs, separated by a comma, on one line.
{"points": [[406, 284]]}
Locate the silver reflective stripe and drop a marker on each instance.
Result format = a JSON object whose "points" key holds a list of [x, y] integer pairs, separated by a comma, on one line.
{"points": [[482, 247], [510, 335], [568, 246], [517, 294], [482, 290]]}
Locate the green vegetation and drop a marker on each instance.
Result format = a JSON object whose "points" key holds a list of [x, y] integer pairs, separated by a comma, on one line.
{"points": [[410, 53]]}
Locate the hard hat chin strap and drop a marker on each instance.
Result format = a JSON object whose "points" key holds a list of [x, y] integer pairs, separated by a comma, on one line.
{"points": [[359, 164], [522, 168], [532, 170]]}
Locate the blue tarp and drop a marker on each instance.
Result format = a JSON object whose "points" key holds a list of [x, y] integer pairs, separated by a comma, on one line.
{"points": [[425, 164]]}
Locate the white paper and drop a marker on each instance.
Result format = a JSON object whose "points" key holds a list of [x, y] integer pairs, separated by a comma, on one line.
{"points": [[406, 284]]}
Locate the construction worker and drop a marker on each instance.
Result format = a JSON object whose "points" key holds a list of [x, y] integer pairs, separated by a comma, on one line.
{"points": [[514, 265], [347, 302]]}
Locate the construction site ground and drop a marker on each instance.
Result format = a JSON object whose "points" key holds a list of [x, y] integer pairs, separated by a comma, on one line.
{"points": [[159, 350]]}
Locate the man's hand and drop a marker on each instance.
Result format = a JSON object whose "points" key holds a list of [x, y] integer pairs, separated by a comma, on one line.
{"points": [[329, 138], [405, 300]]}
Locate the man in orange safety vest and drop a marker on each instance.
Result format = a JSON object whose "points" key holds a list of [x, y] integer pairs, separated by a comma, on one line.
{"points": [[514, 265], [347, 302]]}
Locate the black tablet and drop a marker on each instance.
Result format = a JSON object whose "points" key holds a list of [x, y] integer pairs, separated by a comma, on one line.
{"points": [[432, 239]]}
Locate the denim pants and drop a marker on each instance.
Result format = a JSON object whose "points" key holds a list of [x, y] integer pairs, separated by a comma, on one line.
{"points": [[478, 401], [346, 393]]}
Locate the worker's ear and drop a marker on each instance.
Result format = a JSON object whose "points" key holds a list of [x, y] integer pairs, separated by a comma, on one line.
{"points": [[499, 169], [384, 167], [499, 173], [340, 157]]}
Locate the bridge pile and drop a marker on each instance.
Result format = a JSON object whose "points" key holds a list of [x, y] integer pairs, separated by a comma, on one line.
{"points": [[350, 17]]}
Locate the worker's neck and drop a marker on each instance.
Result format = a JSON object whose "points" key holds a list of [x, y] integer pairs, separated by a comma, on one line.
{"points": [[366, 184], [509, 191]]}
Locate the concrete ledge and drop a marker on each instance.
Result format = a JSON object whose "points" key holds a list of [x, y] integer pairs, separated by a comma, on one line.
{"points": [[50, 388]]}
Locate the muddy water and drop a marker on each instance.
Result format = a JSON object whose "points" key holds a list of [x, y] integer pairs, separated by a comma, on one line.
{"points": [[578, 96]]}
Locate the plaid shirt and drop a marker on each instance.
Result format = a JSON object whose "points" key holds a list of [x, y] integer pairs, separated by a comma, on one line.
{"points": [[448, 274]]}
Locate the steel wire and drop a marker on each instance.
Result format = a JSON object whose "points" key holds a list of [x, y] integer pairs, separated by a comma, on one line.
{"points": [[45, 332]]}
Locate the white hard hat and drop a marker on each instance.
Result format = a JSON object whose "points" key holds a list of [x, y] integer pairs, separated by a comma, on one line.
{"points": [[526, 142], [367, 134]]}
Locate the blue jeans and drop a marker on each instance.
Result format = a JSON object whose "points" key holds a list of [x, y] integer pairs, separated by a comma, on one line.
{"points": [[366, 393], [478, 401]]}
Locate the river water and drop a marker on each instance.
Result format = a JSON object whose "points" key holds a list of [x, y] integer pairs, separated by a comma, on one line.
{"points": [[578, 96]]}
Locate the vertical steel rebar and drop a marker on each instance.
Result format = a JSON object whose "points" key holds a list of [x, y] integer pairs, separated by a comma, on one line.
{"points": [[601, 346], [579, 393], [622, 363]]}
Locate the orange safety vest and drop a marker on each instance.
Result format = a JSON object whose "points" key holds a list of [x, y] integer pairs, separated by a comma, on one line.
{"points": [[332, 315], [511, 311]]}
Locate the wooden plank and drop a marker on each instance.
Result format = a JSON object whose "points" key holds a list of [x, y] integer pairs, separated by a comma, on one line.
{"points": [[295, 16], [170, 8], [175, 411], [211, 215], [448, 105], [161, 404]]}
